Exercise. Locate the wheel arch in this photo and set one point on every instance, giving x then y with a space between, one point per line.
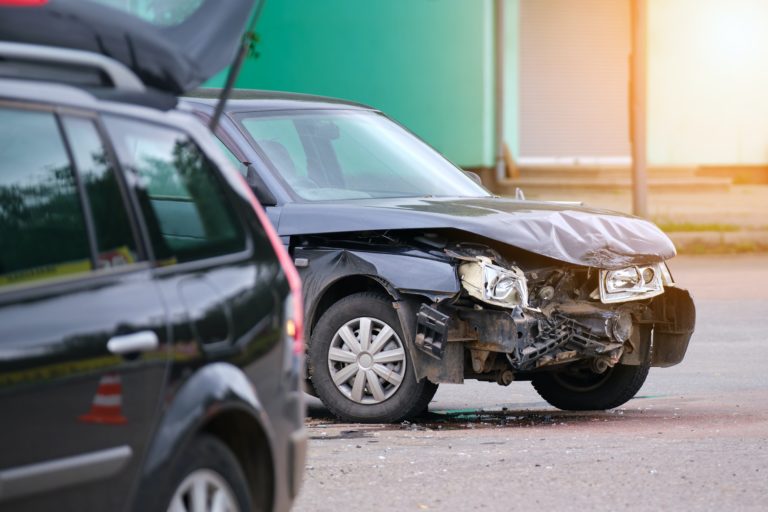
218 399
245 436
332 274
344 287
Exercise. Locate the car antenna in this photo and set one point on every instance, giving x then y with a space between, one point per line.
234 70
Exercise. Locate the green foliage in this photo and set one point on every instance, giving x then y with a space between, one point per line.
252 39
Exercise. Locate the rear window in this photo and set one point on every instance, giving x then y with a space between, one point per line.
157 12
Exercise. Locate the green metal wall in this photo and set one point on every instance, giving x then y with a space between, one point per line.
426 63
511 75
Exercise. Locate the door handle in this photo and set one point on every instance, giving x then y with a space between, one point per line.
141 341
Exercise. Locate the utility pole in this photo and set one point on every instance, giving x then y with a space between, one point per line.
638 107
499 40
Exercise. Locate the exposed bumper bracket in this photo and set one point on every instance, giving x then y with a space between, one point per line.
431 331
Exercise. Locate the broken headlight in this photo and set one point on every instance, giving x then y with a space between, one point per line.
633 283
505 287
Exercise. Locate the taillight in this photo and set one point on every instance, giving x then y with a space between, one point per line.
23 3
294 324
295 321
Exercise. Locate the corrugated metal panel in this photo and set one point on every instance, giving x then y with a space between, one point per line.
574 71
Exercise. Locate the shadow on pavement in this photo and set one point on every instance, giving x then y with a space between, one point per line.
460 419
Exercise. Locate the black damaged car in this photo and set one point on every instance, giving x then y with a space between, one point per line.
415 275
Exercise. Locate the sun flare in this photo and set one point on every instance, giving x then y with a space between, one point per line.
708 73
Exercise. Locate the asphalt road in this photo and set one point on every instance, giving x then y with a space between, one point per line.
695 437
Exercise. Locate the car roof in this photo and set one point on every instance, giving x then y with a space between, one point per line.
247 100
55 95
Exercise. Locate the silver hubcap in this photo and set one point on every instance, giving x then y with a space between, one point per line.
367 360
203 491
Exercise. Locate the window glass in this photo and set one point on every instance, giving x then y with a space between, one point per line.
42 227
159 12
279 141
115 242
185 207
231 156
349 154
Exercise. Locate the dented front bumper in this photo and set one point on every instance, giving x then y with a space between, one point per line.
492 341
674 322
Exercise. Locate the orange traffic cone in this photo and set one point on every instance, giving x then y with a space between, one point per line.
107 405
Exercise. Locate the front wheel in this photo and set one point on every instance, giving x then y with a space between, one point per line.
360 365
581 389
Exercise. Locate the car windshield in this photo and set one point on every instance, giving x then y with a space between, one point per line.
353 154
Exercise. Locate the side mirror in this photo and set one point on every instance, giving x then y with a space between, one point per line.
474 177
259 188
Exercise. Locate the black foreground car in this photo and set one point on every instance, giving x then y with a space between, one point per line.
150 319
415 275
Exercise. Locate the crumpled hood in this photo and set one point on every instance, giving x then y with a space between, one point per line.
574 234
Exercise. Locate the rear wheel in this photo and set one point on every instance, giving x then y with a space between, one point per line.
581 389
208 478
360 365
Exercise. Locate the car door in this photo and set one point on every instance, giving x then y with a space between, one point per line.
216 270
83 331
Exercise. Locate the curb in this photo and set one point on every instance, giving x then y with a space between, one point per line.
720 242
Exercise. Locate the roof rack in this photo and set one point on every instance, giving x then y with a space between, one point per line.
77 67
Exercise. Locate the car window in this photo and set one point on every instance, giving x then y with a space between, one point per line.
231 156
184 205
115 242
42 226
353 154
280 143
163 12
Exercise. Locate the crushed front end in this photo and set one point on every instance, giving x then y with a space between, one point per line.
514 320
467 307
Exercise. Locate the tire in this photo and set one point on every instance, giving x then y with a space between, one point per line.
209 465
580 389
340 355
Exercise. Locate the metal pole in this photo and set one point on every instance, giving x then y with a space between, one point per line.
499 32
638 86
234 69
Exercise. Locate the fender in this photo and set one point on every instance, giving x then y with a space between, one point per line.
404 273
405 276
220 387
